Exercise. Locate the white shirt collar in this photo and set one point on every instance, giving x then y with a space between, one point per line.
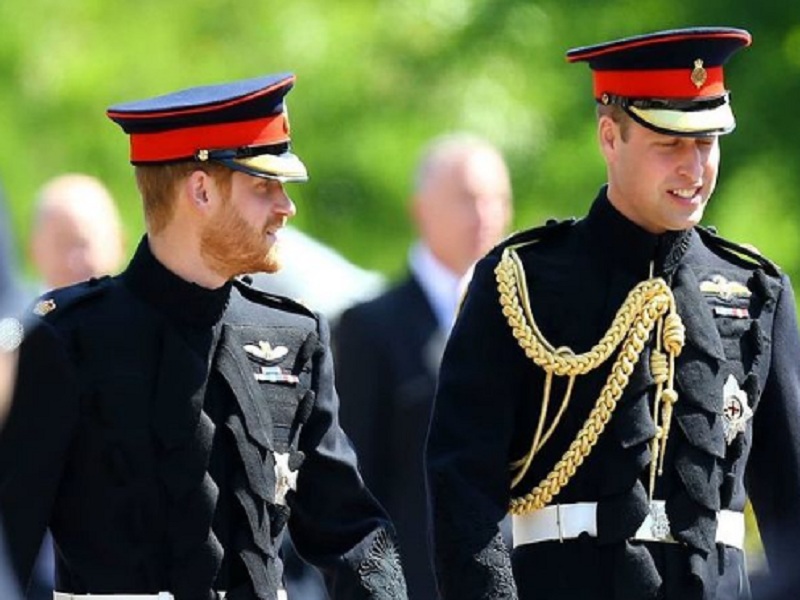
441 286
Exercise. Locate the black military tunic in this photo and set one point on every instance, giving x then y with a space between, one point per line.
578 275
142 436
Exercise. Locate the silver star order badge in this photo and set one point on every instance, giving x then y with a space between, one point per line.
285 478
736 410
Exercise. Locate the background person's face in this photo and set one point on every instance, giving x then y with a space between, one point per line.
465 210
72 245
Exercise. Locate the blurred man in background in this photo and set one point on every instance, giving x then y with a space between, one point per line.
77 232
388 349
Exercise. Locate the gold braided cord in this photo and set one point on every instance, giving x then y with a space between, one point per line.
674 339
659 368
511 286
557 418
525 462
540 440
642 310
598 418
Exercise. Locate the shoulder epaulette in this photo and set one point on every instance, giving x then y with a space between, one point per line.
59 301
536 234
740 251
248 290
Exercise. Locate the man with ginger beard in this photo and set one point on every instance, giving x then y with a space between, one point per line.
174 419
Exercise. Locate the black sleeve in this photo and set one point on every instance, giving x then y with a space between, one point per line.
365 399
335 523
773 470
467 454
34 443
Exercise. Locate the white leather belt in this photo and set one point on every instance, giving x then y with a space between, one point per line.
159 596
568 521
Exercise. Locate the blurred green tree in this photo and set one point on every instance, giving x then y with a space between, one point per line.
376 80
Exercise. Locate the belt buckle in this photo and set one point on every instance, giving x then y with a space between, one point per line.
660 524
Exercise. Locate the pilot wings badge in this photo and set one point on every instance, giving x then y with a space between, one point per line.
263 352
723 288
268 356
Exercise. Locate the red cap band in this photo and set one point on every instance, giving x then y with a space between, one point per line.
183 143
658 83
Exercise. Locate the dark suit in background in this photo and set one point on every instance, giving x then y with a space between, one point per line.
387 355
388 351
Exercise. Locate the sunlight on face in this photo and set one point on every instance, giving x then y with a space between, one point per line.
242 238
662 182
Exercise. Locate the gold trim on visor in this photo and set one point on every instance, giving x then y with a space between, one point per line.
717 119
284 167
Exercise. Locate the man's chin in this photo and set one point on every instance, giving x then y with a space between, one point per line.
272 267
270 264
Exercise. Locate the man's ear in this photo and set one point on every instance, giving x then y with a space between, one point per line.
608 136
196 188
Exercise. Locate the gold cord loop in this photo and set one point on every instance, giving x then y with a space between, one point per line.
659 366
644 308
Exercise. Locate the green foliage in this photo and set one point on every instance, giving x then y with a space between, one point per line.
376 80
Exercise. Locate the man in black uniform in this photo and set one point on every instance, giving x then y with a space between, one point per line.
169 422
620 383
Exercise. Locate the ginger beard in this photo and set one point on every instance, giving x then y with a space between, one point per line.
232 246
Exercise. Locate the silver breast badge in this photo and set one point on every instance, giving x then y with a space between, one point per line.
285 477
736 410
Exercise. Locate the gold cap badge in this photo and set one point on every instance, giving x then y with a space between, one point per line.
699 73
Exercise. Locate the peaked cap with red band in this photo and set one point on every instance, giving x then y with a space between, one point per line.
669 81
243 125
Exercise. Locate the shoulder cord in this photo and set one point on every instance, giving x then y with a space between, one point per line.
647 305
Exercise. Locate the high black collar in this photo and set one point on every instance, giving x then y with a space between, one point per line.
179 300
626 244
